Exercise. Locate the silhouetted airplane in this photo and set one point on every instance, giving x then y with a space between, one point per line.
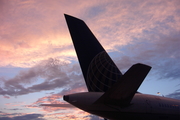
112 95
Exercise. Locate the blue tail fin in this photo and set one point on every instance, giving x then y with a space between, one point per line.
99 71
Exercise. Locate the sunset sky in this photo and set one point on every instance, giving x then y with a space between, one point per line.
39 65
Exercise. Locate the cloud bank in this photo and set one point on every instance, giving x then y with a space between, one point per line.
25 117
52 74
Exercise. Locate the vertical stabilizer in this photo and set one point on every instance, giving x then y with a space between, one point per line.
99 71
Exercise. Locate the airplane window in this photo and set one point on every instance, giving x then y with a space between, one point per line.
159 104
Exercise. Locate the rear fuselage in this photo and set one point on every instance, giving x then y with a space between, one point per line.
142 107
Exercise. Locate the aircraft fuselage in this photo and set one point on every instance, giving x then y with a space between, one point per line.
142 107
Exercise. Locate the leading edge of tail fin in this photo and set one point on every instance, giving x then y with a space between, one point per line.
99 71
123 91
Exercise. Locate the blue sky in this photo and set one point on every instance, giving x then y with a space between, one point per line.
39 65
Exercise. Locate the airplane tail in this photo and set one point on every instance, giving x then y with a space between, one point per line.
99 71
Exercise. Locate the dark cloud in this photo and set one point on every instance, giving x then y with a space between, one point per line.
15 109
175 95
25 117
53 74
161 51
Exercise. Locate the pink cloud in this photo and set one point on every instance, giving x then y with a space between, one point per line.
15 104
69 114
7 97
54 99
33 30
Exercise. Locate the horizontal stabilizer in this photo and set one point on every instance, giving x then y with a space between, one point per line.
123 91
58 105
